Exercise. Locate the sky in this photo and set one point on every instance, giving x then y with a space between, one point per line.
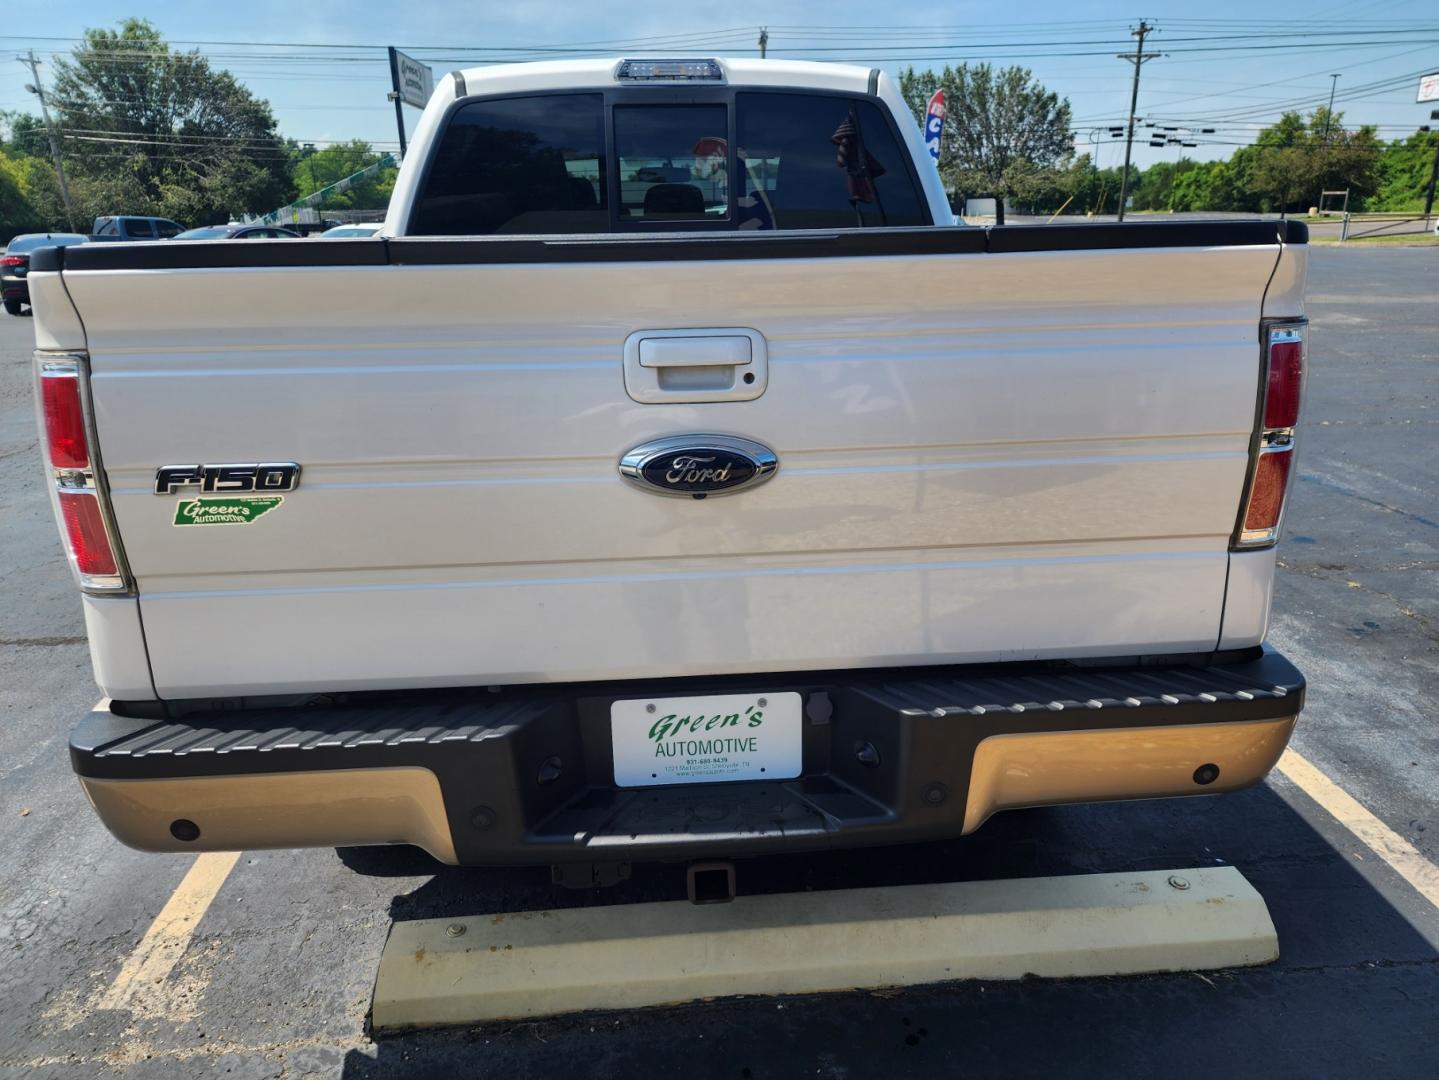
1224 65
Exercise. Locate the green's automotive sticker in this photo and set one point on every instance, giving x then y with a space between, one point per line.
236 510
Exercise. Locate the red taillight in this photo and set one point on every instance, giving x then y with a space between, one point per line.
65 440
81 501
1286 379
14 260
85 533
1266 498
1283 386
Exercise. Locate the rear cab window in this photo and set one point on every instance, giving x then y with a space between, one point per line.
673 163
626 160
822 162
518 165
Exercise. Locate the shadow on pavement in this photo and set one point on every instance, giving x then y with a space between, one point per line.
1356 988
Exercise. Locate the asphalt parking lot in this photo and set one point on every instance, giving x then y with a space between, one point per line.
275 978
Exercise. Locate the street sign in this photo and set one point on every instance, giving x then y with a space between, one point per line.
414 81
1428 88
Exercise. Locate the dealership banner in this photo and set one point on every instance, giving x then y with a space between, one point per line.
413 81
934 124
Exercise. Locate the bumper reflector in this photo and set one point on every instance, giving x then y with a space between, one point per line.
1266 501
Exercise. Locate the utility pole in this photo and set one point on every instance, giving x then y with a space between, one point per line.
1329 114
39 91
1433 176
307 152
763 41
1137 58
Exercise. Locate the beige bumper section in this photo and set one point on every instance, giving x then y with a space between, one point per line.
1052 767
452 971
279 810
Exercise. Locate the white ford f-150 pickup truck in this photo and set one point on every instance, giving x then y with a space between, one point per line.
670 479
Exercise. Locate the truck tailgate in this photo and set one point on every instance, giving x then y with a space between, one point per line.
981 457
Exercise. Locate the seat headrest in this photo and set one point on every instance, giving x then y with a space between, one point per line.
680 199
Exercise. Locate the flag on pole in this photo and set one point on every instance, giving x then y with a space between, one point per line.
934 124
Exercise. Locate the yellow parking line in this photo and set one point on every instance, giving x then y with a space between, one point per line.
1401 856
147 968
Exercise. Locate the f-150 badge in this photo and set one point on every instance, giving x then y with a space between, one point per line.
265 476
696 466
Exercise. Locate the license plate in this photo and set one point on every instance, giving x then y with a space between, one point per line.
706 740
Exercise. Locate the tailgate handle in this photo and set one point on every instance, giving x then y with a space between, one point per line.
695 351
679 366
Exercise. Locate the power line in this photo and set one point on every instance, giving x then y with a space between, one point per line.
1357 93
903 43
1284 36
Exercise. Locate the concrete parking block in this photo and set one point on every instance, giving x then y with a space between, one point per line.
540 963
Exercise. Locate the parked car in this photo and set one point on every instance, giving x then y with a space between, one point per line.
132 227
15 263
237 232
511 542
353 230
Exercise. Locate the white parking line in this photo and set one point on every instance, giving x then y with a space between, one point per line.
1401 856
141 979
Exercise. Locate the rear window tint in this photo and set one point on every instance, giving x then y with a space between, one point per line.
673 162
542 164
518 165
821 162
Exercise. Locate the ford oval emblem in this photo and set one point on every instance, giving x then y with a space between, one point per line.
695 466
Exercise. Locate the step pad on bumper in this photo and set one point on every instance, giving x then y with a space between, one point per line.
526 775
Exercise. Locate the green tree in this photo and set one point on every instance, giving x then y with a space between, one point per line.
1404 170
29 196
1004 133
151 130
1095 191
1283 175
1162 185
1294 161
1209 185
16 213
23 134
317 169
